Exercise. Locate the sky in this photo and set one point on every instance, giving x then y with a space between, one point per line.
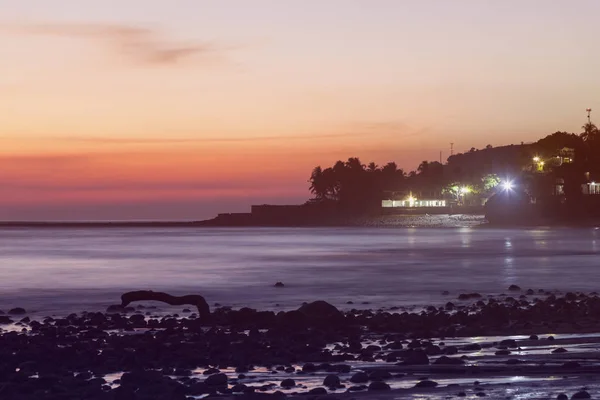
181 109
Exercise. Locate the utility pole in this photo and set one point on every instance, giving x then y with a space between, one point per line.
451 149
440 156
589 111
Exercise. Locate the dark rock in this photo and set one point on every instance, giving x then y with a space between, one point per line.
320 309
480 394
443 360
332 381
379 375
581 395
378 385
287 383
533 337
462 394
562 396
513 361
509 343
502 352
560 350
309 367
216 380
357 388
359 377
115 308
468 296
17 311
426 384
5 320
550 337
211 371
472 347
416 357
317 391
514 288
279 284
239 388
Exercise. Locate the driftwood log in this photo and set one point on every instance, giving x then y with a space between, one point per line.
147 295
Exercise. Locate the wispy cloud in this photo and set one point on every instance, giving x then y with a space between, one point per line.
141 44
183 140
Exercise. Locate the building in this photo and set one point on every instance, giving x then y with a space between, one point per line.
412 203
590 188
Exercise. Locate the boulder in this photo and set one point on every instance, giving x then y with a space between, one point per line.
17 311
444 360
416 357
216 380
426 384
359 377
379 375
379 386
320 310
332 381
581 395
318 391
287 383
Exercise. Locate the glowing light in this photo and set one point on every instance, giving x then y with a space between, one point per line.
541 163
465 190
536 159
507 185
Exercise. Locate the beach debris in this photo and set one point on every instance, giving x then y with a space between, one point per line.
149 295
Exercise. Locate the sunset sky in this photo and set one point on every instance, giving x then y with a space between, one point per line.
179 109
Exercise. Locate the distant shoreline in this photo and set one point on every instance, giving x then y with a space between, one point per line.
401 221
382 221
407 221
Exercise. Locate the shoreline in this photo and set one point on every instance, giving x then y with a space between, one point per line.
380 221
489 345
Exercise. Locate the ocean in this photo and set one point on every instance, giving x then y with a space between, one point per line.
58 271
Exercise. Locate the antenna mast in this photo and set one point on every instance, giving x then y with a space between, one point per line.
589 111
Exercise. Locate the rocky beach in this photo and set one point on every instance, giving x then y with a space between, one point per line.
525 343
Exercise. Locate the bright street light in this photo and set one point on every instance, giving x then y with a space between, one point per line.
507 185
536 159
464 190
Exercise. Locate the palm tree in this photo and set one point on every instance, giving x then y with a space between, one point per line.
590 132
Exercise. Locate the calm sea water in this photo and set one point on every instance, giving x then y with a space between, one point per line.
64 270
